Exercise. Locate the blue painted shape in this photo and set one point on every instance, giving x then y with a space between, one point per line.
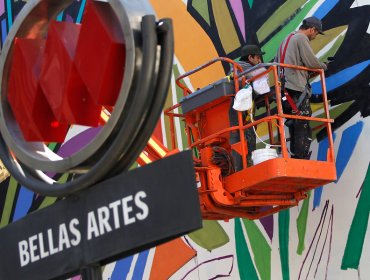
321 156
347 144
121 269
325 8
140 265
340 78
4 32
9 13
60 16
81 11
23 204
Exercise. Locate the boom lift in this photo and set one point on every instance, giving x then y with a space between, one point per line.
254 191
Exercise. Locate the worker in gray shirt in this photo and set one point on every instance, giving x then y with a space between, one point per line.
296 50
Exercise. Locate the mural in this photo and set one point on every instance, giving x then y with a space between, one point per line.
326 236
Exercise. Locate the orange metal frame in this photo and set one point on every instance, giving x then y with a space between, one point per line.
262 189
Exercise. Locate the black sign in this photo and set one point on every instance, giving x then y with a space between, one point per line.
116 218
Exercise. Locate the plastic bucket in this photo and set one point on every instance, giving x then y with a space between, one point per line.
261 155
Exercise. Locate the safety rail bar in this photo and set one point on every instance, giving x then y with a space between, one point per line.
235 68
279 117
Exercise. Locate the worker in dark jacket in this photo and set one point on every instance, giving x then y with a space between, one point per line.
296 50
251 55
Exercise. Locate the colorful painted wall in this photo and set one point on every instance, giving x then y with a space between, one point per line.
326 236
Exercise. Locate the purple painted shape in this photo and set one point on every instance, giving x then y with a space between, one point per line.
268 224
2 10
69 18
237 7
78 142
76 278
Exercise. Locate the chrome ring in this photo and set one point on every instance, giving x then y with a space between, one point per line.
32 22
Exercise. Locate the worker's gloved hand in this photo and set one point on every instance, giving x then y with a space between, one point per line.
330 60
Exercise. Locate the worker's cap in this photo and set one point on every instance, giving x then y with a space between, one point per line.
251 50
313 22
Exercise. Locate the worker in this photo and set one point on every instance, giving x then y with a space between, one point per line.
251 55
296 50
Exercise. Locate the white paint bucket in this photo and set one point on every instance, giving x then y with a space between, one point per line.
261 155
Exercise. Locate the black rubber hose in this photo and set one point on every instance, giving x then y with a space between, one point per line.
166 41
107 158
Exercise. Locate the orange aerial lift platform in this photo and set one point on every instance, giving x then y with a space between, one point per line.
254 191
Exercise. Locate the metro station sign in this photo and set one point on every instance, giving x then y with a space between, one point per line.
114 219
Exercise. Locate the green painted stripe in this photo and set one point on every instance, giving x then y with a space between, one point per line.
331 37
211 236
246 267
9 202
201 7
284 222
357 232
272 45
333 50
52 146
302 224
334 113
47 202
250 2
261 249
50 200
133 166
279 17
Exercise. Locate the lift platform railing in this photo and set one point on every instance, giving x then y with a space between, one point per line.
236 68
273 121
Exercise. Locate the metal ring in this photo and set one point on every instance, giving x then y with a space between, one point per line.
32 22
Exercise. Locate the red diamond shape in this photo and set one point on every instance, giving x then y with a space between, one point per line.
75 81
60 81
100 54
28 103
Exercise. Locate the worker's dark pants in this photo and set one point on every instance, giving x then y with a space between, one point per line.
249 136
299 130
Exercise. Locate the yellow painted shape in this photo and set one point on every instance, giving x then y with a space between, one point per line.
193 47
156 147
144 158
4 173
225 26
322 40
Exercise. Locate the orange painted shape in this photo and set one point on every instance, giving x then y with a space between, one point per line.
169 258
193 47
